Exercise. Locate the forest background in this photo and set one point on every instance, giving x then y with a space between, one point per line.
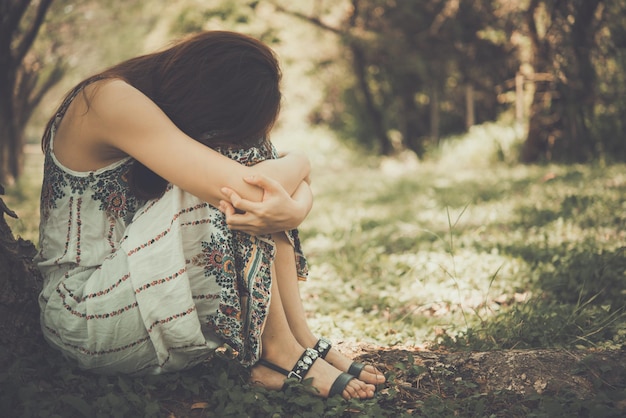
469 180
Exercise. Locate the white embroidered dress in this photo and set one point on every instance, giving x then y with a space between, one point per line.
147 287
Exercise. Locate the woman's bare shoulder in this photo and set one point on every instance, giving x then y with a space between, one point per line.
78 139
113 96
96 129
119 111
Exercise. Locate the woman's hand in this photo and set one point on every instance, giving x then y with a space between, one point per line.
277 211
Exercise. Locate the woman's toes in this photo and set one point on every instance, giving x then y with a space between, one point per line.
371 374
358 389
355 389
350 392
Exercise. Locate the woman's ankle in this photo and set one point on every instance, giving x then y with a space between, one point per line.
283 353
324 376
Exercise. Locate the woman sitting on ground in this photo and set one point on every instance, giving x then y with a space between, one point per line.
142 272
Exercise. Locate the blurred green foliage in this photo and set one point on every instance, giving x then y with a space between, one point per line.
420 71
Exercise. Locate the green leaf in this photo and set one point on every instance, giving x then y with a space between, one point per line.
78 404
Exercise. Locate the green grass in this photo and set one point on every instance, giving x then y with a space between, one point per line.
464 251
443 248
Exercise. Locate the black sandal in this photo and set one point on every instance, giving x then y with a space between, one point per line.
323 347
302 367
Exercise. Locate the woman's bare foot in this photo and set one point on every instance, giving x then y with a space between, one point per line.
368 374
323 374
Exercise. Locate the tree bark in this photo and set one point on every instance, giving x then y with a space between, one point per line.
20 86
470 116
411 124
375 115
542 132
435 115
562 109
578 88
20 282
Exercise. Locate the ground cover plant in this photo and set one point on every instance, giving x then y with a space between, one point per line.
413 265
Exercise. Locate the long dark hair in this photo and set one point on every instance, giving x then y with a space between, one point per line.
220 88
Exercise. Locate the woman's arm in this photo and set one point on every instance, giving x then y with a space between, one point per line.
248 220
121 117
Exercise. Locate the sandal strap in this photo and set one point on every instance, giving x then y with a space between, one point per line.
300 369
272 366
356 369
322 347
340 384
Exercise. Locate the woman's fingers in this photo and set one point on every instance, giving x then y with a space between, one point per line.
244 222
226 208
276 212
237 201
269 185
271 188
238 213
231 195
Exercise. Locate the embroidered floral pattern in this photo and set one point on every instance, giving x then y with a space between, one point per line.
101 352
171 318
79 184
52 188
218 262
241 264
61 291
112 191
162 280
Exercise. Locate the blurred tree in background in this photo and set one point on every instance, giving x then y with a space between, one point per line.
24 77
42 42
577 47
609 60
423 70
402 74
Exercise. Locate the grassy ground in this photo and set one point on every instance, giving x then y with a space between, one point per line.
465 251
462 252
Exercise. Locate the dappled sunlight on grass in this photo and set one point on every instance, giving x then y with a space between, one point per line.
482 146
433 250
437 250
412 255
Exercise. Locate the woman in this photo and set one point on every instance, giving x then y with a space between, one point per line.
142 274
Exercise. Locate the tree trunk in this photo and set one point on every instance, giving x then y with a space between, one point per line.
542 123
562 109
7 119
374 114
470 118
435 116
519 98
578 88
20 282
20 86
411 133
